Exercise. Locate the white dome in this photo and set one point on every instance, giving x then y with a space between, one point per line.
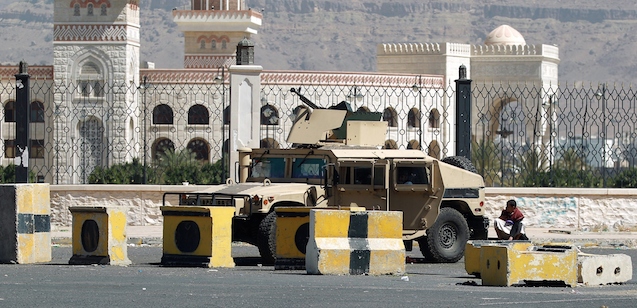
505 35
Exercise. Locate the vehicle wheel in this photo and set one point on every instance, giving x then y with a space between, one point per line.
447 238
460 162
266 239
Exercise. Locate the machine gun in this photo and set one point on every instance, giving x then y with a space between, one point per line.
325 124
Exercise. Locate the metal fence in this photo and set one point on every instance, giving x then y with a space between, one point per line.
523 135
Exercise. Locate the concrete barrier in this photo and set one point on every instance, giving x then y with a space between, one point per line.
472 252
99 235
595 270
197 236
504 265
353 242
25 223
292 235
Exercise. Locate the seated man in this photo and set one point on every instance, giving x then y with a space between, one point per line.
509 225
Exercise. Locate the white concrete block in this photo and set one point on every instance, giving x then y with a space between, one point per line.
603 269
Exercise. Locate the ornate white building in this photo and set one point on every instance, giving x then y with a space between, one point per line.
97 105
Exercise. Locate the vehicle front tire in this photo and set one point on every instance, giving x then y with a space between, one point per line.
266 239
447 238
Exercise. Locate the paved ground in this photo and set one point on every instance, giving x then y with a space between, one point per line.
147 284
153 235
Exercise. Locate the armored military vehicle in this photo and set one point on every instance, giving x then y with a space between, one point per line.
337 160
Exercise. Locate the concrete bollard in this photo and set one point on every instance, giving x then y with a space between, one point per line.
595 270
292 235
25 223
504 265
197 236
355 243
472 252
99 235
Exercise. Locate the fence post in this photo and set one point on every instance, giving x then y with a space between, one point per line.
463 114
23 97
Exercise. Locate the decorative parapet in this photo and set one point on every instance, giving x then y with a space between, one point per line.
192 20
451 49
203 76
210 15
180 76
518 50
35 72
349 79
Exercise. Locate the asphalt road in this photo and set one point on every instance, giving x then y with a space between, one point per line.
146 284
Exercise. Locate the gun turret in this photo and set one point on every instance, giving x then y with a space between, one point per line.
331 123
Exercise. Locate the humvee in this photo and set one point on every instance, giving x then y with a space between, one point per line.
337 160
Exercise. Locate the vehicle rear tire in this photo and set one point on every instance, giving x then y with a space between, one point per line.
266 239
460 162
446 239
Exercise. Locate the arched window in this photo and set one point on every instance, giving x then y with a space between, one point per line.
9 148
269 115
200 148
202 44
76 10
214 44
198 114
434 149
90 81
413 145
9 111
163 114
103 10
90 9
390 145
413 118
36 149
391 117
162 146
223 44
37 112
434 118
269 143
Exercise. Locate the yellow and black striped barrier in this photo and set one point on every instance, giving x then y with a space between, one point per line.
25 223
99 235
197 236
506 265
355 242
292 235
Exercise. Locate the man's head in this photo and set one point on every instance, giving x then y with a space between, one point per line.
511 205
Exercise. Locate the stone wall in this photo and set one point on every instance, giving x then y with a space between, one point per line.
557 208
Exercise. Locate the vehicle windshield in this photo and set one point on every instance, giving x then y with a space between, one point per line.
268 167
307 168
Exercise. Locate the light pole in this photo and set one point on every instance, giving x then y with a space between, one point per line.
220 80
601 94
418 87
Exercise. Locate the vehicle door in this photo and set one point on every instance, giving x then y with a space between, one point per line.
413 186
362 182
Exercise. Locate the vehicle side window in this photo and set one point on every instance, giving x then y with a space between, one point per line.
268 168
307 168
412 175
362 176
